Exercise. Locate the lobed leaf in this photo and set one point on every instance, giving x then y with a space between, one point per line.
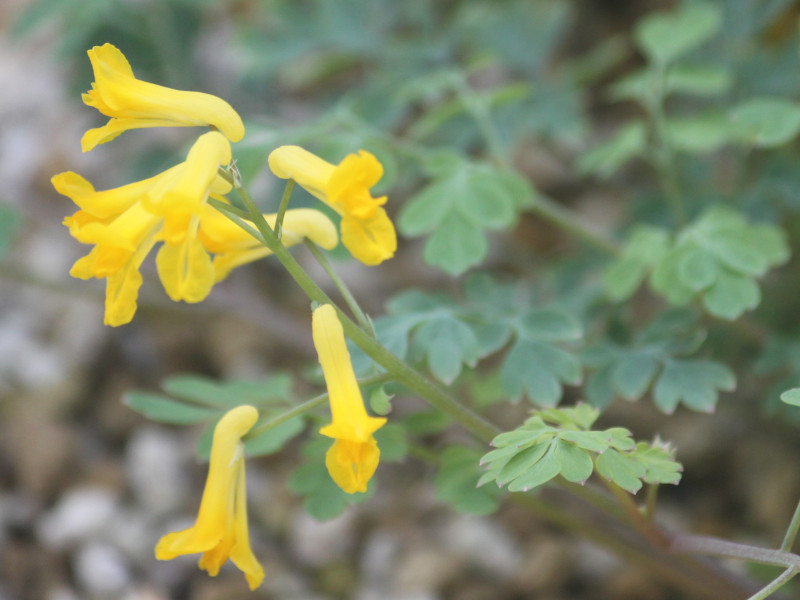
456 482
663 37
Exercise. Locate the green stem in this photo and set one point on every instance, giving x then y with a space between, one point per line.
398 368
564 219
287 193
637 519
775 584
651 497
706 545
235 215
308 405
664 156
543 206
791 532
479 111
347 295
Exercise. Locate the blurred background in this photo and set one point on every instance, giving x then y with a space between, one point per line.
87 486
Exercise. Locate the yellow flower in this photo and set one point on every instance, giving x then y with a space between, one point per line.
125 223
134 104
220 531
366 229
234 247
354 455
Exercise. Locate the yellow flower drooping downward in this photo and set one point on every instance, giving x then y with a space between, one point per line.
366 229
133 104
220 531
125 223
354 455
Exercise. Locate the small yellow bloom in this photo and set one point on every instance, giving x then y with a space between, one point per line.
125 223
234 246
220 531
354 455
366 229
133 104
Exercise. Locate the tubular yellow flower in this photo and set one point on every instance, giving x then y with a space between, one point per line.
125 223
220 531
234 247
354 455
133 104
366 229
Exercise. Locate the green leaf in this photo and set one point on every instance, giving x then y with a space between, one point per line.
228 394
695 383
698 269
697 80
633 373
456 245
701 133
550 325
522 462
606 158
622 469
392 442
426 422
576 465
457 207
645 247
667 279
538 370
663 37
599 389
167 410
542 471
791 397
380 402
536 451
581 416
323 499
456 482
731 295
658 463
274 439
766 122
447 343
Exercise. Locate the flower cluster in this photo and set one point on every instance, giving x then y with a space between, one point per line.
124 224
199 246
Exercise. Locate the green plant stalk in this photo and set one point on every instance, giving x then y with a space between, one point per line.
479 111
287 193
643 525
791 532
347 295
651 498
775 584
545 207
308 405
697 544
663 155
708 582
564 219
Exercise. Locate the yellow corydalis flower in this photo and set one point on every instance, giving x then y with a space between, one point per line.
125 223
354 455
220 531
233 246
366 229
133 104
